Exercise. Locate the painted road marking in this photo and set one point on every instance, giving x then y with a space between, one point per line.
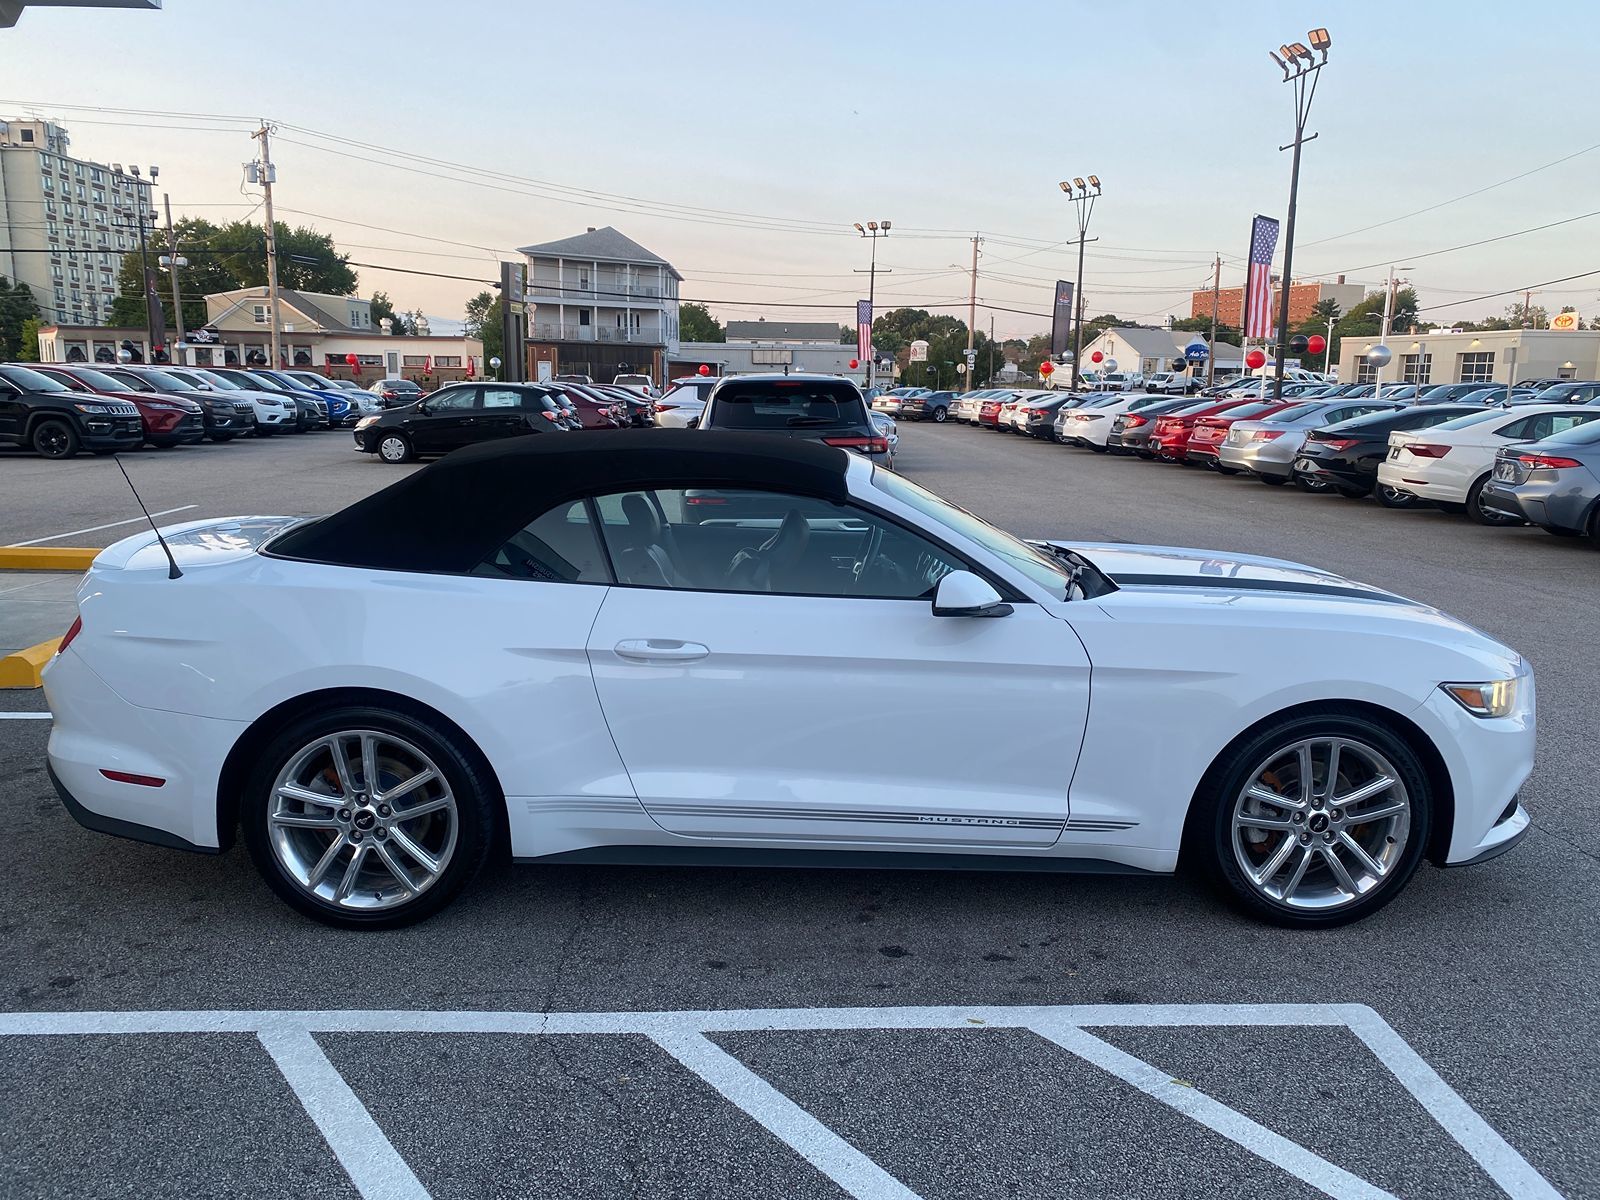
377 1169
24 716
56 537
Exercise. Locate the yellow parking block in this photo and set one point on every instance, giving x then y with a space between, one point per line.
46 558
21 670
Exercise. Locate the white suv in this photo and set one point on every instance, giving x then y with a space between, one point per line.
273 412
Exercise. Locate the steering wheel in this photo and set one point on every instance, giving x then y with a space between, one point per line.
869 555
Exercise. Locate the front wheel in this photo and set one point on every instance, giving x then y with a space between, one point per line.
55 439
940 415
395 448
1315 821
367 818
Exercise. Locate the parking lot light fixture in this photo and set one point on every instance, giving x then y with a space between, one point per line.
873 230
1301 69
1083 196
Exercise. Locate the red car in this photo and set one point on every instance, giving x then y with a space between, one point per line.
989 414
1170 440
1205 441
168 419
595 410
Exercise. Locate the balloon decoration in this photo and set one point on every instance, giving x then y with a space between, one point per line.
704 370
854 364
1097 357
1380 355
1046 368
1255 360
1298 343
351 359
1316 343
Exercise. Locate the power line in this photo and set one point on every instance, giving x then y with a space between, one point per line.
1527 287
1469 245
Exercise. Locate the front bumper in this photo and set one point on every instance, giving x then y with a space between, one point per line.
111 433
95 730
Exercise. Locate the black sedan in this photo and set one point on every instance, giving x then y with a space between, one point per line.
1037 417
1346 456
1130 432
456 416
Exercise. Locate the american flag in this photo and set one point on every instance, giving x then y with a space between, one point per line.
863 330
1258 285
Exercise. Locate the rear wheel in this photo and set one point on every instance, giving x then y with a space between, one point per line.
1483 516
54 438
1392 497
1274 480
940 415
1317 820
368 818
1218 467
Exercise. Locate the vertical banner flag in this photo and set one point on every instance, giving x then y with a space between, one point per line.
1258 284
1061 318
863 330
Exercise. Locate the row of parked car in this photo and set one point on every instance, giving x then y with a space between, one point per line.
61 409
1502 456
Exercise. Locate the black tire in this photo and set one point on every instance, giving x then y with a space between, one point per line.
940 415
1272 480
477 797
1351 492
1594 527
1482 516
1208 834
223 438
54 438
395 447
1394 498
1098 449
1222 470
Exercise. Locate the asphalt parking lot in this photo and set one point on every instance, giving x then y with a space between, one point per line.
266 1055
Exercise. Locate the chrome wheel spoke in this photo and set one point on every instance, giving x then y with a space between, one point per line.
369 764
1368 863
317 872
1303 756
405 788
1299 872
1256 822
1275 863
1374 787
293 791
421 809
335 746
401 875
416 853
1375 814
1340 871
304 821
352 870
1267 796
1332 784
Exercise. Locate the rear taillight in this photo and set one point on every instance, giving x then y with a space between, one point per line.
1266 435
704 500
1547 461
73 631
549 416
872 445
1134 422
1428 450
1337 443
130 777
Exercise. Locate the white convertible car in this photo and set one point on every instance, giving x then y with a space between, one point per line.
665 646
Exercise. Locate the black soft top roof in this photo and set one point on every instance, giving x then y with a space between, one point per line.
451 515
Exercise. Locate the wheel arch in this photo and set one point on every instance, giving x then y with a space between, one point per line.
1403 727
236 767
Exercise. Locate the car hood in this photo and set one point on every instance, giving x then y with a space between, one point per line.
1216 571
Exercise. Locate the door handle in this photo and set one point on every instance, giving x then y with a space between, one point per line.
660 650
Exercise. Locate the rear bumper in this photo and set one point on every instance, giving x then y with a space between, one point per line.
96 730
1397 477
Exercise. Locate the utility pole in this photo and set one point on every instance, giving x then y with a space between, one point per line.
1216 299
268 175
873 230
972 315
173 263
1083 199
990 378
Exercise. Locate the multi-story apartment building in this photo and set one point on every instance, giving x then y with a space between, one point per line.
599 303
65 222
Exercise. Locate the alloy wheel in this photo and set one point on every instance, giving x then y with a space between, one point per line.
1321 824
53 440
363 820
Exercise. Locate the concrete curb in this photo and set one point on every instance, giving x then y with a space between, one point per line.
46 558
21 670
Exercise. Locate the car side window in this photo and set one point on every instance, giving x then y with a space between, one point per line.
558 546
501 398
453 400
718 540
1521 431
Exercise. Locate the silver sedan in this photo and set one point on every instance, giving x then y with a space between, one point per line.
1267 448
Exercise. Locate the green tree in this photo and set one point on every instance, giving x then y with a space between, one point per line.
17 308
696 324
484 322
383 307
1324 311
847 335
29 350
1202 326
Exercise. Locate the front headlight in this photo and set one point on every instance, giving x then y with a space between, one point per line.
1494 699
366 421
91 408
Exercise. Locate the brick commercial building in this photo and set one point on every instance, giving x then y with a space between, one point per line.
1303 297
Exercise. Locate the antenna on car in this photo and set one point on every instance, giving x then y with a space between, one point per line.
172 563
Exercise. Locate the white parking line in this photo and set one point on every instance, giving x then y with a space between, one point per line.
24 716
377 1169
56 537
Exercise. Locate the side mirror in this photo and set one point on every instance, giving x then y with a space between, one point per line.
963 594
692 423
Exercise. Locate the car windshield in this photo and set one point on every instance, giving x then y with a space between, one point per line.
1246 411
220 381
786 404
312 379
257 381
99 381
163 382
32 381
1185 409
1041 568
1291 413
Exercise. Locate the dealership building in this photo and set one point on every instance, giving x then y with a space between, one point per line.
1486 356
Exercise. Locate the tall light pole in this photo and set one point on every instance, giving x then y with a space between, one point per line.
1301 68
152 305
873 230
1083 196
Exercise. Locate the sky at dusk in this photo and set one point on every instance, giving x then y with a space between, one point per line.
741 141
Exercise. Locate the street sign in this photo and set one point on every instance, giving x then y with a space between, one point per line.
919 351
961 368
972 356
1196 352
